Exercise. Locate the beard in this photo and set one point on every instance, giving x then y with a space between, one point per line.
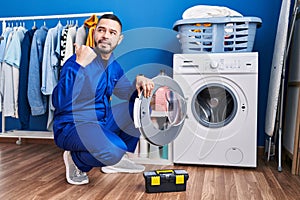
105 47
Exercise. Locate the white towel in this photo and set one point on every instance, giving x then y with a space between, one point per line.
205 11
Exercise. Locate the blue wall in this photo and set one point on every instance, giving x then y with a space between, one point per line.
160 16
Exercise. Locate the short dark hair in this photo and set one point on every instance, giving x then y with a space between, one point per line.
112 17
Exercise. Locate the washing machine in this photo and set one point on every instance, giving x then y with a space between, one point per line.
207 111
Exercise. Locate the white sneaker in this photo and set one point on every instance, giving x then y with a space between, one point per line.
123 166
73 174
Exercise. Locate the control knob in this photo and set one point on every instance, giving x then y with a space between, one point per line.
214 65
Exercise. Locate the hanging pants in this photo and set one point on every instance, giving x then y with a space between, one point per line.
100 144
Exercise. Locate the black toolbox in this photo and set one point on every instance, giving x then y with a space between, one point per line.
170 180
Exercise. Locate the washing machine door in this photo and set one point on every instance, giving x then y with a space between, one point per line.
161 116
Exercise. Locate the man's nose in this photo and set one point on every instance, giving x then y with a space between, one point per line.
106 34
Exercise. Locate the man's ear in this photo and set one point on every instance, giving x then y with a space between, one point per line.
120 39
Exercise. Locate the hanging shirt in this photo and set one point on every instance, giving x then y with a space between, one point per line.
3 42
13 53
10 69
50 63
81 36
6 76
63 43
37 101
70 49
23 105
3 46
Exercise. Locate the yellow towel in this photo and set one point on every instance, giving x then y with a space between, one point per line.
91 23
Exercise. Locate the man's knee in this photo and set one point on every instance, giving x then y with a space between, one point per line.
110 157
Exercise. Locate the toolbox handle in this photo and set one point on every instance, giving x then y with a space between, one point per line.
168 171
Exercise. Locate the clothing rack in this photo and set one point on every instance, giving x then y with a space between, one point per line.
45 17
27 133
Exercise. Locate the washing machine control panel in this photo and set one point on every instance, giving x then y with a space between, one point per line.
227 65
216 63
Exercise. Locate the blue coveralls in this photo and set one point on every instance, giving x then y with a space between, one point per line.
85 123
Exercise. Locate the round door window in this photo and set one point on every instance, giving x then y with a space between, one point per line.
214 105
160 118
167 108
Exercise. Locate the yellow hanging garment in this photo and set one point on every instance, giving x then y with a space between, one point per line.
91 23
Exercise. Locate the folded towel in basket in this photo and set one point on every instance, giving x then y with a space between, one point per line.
205 11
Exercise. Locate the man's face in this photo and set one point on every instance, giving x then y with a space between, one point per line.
107 36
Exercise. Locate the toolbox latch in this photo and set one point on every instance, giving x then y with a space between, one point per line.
155 180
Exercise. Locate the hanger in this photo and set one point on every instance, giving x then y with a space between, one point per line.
67 25
16 26
34 25
59 22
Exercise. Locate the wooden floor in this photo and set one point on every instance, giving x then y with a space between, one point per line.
36 171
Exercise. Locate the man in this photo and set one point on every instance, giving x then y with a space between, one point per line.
91 131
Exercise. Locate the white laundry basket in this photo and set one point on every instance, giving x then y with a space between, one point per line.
217 34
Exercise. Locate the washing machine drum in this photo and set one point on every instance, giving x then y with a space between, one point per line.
214 105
